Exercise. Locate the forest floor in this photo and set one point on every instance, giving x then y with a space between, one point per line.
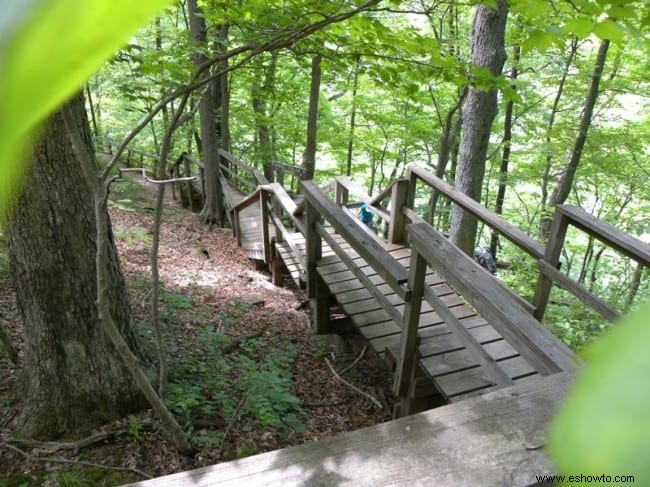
246 373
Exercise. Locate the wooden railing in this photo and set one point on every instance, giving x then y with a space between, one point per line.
280 170
494 300
564 216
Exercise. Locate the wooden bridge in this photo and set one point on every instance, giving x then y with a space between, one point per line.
447 328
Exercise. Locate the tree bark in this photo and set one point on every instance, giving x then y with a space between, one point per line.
479 110
72 376
213 210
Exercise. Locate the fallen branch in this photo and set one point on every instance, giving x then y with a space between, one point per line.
356 360
354 388
75 462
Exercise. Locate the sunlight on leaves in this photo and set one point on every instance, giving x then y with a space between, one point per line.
604 427
52 47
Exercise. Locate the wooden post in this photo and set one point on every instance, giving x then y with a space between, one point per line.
236 228
188 173
409 335
266 241
552 257
342 194
276 265
316 288
398 200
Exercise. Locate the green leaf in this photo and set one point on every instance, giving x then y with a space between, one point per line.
52 47
608 30
604 427
579 27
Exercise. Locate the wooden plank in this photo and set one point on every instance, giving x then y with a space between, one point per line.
472 346
382 301
491 440
447 342
457 360
490 298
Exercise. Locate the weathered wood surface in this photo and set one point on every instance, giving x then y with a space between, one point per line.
491 440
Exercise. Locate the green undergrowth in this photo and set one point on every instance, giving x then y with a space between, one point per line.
218 379
221 378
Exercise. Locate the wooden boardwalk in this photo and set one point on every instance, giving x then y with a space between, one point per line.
441 356
251 236
447 329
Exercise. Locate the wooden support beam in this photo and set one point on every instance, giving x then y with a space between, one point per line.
266 239
397 224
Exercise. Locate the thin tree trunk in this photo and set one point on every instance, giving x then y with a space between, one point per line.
479 110
309 163
260 93
505 156
546 177
563 186
353 115
634 288
448 140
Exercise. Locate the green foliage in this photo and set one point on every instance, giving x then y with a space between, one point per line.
135 428
176 301
267 390
47 50
604 427
135 235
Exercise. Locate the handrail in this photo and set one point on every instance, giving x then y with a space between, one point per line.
259 177
611 236
508 230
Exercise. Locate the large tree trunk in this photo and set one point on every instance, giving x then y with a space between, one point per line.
213 211
479 110
73 378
